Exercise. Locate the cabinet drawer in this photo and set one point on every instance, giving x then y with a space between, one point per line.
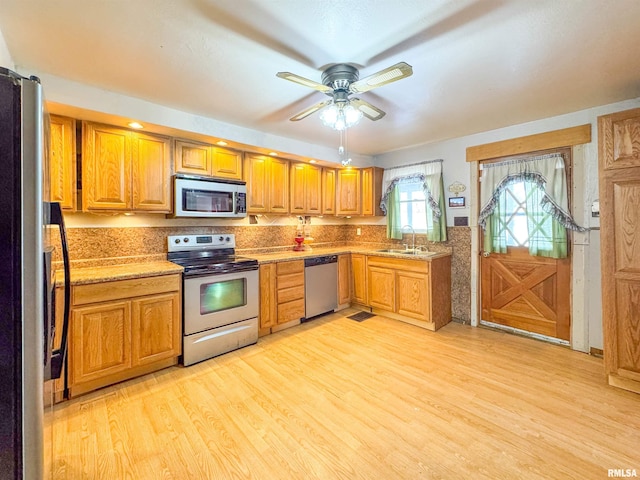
291 311
288 294
292 280
135 287
296 266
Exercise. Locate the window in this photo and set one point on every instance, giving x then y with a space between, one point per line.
413 206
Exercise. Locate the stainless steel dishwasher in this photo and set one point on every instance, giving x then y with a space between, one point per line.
320 285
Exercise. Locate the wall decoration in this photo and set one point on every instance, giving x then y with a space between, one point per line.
457 188
456 202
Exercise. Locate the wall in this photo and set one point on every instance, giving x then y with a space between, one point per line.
5 57
587 325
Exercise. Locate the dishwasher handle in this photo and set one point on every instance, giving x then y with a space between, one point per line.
313 261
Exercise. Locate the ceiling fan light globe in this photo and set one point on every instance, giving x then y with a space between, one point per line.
329 115
352 115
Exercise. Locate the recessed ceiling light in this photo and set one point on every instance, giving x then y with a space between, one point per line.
273 154
312 161
136 125
222 143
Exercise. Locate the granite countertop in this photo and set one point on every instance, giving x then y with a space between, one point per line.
316 252
107 273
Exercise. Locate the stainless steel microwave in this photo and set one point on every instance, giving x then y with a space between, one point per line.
209 197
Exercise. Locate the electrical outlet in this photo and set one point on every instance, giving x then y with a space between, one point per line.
358 231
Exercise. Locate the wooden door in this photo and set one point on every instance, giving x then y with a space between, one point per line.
328 191
381 287
371 190
344 279
156 332
279 186
412 295
348 187
256 175
268 303
101 341
313 193
297 189
526 292
106 168
62 162
619 175
192 158
151 173
226 163
359 275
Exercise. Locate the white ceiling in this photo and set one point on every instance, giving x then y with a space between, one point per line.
478 64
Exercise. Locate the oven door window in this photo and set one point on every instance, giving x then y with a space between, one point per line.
224 295
194 200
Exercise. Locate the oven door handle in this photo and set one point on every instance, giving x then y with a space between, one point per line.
221 272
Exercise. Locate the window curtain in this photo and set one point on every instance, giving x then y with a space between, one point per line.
548 215
429 174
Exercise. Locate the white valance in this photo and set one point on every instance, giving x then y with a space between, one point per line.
428 173
547 171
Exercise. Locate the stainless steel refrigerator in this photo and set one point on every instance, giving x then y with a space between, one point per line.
29 229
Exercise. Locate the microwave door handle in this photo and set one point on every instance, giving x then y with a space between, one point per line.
59 356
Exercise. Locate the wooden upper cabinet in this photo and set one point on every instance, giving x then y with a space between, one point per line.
151 173
328 191
124 170
195 158
267 184
348 187
306 189
371 191
62 162
106 168
192 158
226 163
619 184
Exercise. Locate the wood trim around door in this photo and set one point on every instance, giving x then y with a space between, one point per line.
566 137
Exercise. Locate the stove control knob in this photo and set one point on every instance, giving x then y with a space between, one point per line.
220 239
186 239
177 240
228 239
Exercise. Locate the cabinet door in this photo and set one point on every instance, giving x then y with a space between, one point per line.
257 177
344 279
413 295
359 273
62 162
313 193
381 283
156 331
226 163
151 173
268 306
100 341
328 191
106 168
297 188
192 158
348 192
279 186
371 190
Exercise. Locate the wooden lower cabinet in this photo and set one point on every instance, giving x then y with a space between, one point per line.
359 276
344 280
416 291
281 295
123 329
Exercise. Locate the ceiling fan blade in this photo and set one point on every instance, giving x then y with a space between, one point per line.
368 110
292 77
393 73
312 109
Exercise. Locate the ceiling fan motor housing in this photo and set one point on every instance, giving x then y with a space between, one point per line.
339 77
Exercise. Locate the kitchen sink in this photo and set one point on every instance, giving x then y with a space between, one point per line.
405 252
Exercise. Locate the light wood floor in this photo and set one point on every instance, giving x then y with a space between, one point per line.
340 399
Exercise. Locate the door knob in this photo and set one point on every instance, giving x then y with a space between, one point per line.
486 254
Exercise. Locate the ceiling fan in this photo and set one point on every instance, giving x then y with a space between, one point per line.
339 82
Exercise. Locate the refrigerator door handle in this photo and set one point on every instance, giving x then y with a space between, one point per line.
58 356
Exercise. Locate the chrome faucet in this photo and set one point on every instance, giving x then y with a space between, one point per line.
413 232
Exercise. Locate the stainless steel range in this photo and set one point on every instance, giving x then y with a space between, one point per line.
220 295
